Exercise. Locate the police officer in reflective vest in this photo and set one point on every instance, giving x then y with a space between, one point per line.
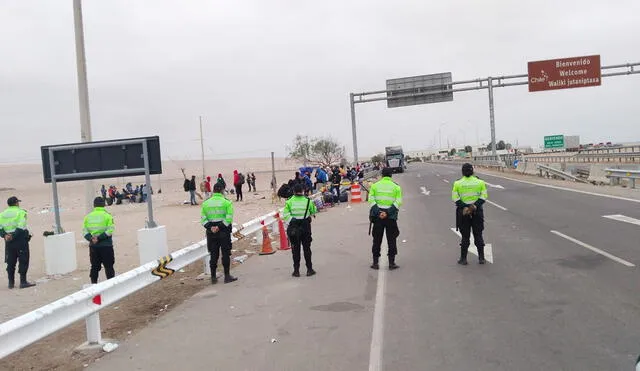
298 211
385 197
13 229
469 193
98 230
217 219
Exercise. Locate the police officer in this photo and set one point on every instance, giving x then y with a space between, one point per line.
13 229
98 230
298 211
469 193
217 219
385 197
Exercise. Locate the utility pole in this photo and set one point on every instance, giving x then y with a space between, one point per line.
202 149
83 93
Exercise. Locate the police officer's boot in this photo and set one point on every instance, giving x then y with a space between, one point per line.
310 272
481 255
375 264
392 263
229 278
214 278
296 271
23 281
463 256
12 280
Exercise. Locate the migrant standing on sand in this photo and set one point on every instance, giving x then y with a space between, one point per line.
13 229
238 181
217 220
98 229
192 190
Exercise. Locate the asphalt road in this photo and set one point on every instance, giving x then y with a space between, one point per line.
562 293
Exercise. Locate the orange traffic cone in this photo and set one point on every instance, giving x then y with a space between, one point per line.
284 241
266 242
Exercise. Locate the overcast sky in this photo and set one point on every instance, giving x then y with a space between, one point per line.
261 71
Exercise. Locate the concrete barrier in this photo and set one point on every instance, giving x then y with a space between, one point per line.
60 253
152 244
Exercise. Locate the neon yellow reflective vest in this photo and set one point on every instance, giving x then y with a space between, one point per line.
99 223
217 209
385 193
469 189
296 207
12 218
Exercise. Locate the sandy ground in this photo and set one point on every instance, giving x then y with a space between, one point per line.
182 221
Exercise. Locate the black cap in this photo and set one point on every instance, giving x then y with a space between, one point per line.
467 169
98 202
13 201
387 171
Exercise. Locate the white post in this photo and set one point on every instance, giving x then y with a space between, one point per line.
94 334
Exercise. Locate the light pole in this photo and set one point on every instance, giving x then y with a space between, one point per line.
83 92
440 134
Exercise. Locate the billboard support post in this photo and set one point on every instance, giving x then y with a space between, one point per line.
57 228
492 118
147 179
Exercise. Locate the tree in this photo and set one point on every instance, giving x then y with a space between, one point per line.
509 146
377 158
501 145
452 152
468 149
323 151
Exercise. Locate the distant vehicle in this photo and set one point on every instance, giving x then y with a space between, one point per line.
394 158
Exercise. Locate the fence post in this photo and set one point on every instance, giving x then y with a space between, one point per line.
94 334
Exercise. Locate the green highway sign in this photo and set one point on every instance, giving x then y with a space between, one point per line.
554 141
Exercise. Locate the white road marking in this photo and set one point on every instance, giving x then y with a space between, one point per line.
594 249
377 333
494 185
437 174
496 205
623 218
424 191
566 189
488 249
419 175
444 180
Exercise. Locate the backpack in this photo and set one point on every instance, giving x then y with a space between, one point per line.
285 191
241 179
186 185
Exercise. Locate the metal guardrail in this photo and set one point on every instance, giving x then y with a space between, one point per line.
28 328
615 175
559 173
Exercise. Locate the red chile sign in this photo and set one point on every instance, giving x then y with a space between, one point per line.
577 72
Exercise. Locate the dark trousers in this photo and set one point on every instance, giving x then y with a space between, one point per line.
467 225
239 192
299 233
217 242
101 256
16 251
379 228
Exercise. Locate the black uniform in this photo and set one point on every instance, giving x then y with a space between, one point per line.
17 251
216 243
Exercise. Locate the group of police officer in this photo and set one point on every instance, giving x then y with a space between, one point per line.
385 196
